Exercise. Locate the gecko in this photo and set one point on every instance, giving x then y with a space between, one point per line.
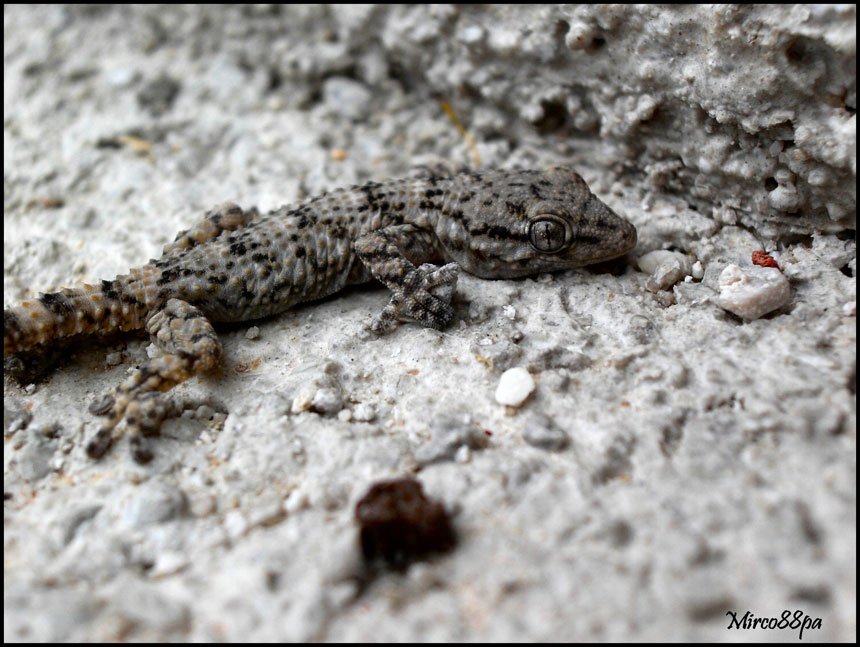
238 265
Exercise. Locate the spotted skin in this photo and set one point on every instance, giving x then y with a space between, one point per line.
238 265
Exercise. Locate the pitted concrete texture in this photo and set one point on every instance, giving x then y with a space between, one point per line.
665 462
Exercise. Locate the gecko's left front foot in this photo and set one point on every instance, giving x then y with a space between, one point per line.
424 296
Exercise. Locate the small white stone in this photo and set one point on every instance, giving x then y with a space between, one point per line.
652 261
252 333
784 198
472 34
302 400
297 500
698 271
235 524
751 292
579 35
122 77
665 276
515 385
364 412
850 309
168 562
327 401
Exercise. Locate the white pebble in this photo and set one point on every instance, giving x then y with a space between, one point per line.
515 385
364 412
168 563
252 333
751 292
344 415
122 77
665 276
784 198
472 34
302 400
698 271
651 262
327 401
463 454
235 524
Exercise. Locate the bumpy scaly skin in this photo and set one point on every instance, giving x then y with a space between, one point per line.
238 265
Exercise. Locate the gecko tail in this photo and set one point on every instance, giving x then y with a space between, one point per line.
38 323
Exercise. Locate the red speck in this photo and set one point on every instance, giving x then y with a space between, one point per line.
764 259
486 431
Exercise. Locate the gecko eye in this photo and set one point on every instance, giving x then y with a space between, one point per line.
549 233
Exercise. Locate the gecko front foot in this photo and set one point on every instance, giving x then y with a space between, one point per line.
424 296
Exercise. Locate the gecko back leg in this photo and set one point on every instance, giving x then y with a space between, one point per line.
190 347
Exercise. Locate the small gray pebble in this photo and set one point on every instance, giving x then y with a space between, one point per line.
450 433
326 400
155 503
15 416
34 462
541 431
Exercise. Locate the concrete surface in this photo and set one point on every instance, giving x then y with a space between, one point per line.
675 463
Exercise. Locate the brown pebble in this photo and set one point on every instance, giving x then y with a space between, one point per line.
400 524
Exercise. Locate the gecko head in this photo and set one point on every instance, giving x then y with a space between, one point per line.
555 223
569 226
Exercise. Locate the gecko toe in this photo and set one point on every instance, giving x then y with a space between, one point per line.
99 445
140 451
102 406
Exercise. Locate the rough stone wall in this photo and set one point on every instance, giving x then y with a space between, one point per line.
746 111
748 107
